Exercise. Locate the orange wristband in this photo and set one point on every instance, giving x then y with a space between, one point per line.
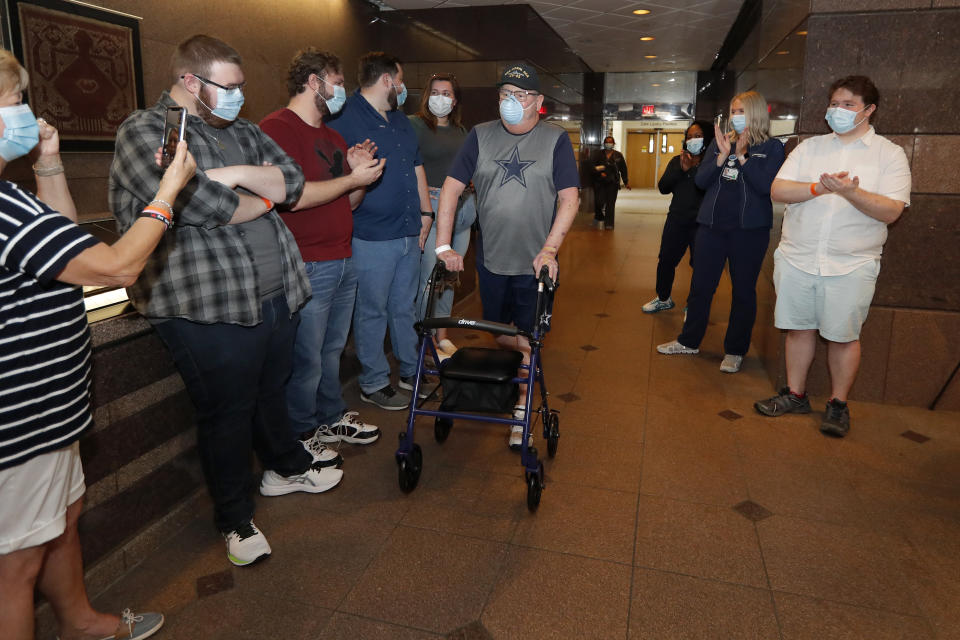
813 188
267 202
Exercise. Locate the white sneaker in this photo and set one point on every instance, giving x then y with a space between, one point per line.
516 437
672 348
323 455
519 411
313 480
447 347
348 429
731 364
658 305
246 544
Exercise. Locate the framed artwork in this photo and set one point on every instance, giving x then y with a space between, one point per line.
84 65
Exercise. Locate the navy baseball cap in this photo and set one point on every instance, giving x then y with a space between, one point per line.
520 75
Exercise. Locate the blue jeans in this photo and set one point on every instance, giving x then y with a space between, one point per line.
313 394
466 214
236 378
386 287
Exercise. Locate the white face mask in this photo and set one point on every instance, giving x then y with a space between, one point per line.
440 106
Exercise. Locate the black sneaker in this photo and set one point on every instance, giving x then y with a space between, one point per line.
783 402
836 419
387 398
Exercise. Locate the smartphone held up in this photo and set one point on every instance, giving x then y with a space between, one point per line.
174 130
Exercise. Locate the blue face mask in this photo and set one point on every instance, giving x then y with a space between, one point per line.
694 145
739 122
401 94
229 102
842 120
511 110
21 132
335 103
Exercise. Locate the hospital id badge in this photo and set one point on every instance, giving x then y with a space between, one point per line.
730 173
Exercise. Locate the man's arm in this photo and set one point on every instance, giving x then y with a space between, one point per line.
446 212
568 202
267 182
792 192
878 207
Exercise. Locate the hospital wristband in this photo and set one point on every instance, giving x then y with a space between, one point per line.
813 188
267 202
442 248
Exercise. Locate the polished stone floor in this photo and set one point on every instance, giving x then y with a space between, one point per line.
672 510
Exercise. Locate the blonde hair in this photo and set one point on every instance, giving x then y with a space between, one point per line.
13 77
758 118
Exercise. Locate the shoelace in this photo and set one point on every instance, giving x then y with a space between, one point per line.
834 412
128 618
243 532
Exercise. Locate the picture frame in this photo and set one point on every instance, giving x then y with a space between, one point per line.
85 68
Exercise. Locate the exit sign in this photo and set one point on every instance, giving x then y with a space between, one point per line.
648 110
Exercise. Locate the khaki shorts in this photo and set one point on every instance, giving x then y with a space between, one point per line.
34 497
835 305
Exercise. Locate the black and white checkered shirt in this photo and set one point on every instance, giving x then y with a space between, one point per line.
203 268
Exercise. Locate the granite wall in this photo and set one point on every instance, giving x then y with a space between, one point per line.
911 340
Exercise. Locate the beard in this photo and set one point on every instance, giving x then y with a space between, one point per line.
392 100
321 104
207 115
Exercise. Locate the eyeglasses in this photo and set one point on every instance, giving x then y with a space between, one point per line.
220 86
520 94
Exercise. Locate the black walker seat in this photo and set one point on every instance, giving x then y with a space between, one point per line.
483 381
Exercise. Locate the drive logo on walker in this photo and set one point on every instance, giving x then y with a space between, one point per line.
466 322
514 167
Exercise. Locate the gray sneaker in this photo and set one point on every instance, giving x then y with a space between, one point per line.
387 398
782 403
836 419
658 305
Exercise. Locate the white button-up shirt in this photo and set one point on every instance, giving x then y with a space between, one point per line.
827 235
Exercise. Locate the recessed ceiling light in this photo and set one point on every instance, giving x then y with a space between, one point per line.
673 79
649 57
801 33
655 84
782 53
641 12
647 38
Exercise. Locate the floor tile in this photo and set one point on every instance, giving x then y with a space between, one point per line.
803 618
698 540
428 580
667 605
545 595
835 563
586 521
342 626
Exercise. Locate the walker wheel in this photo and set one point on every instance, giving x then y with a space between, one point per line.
553 437
441 429
534 488
409 468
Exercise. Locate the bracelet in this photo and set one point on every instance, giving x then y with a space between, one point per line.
44 172
428 214
813 188
156 215
267 202
442 248
163 202
150 210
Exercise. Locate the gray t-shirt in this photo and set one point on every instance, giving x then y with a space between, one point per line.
517 178
259 233
437 148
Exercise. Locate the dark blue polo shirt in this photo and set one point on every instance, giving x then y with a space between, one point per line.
391 206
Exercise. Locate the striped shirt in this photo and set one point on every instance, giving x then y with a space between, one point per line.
44 340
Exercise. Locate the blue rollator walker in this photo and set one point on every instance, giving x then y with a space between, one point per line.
482 381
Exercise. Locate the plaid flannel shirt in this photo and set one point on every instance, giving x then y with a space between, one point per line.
202 269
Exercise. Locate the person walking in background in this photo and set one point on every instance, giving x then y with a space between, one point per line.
441 133
609 170
680 228
735 220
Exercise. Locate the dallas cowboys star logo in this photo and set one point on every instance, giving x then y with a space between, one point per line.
514 167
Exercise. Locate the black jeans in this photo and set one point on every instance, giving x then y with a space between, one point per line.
236 377
677 236
744 249
604 201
